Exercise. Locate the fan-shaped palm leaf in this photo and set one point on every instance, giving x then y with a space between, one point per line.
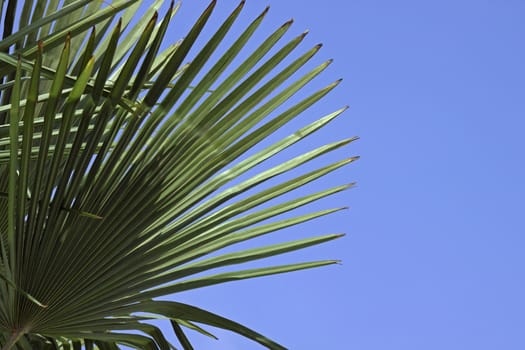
120 170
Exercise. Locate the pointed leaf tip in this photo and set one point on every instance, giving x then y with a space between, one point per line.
351 159
334 84
239 7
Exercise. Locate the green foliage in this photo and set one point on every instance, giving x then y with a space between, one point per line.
120 170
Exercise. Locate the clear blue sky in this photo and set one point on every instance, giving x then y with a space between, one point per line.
434 256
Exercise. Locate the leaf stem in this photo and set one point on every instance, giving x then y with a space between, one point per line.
17 334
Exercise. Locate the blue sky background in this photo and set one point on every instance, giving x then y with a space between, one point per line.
433 257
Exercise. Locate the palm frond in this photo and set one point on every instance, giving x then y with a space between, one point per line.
125 171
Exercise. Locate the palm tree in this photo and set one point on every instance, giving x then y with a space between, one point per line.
120 170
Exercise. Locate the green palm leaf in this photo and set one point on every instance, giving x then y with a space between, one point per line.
124 170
